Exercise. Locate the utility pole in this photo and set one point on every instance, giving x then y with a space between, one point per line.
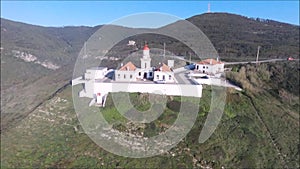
164 49
258 48
84 49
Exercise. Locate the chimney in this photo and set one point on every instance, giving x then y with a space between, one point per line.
217 58
127 67
210 61
121 64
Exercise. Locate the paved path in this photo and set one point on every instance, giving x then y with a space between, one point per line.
235 63
260 61
182 78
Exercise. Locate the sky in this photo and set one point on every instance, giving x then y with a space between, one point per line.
92 13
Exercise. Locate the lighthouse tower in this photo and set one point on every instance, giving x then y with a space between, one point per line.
146 60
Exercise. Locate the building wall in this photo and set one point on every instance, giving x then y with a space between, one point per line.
142 74
210 69
125 76
164 89
100 74
168 77
145 63
95 73
88 89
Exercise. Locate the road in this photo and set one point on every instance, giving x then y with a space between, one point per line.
260 61
242 62
182 77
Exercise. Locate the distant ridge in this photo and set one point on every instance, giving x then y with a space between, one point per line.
235 38
238 36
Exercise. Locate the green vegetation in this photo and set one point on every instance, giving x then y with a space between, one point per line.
256 126
240 36
259 127
278 78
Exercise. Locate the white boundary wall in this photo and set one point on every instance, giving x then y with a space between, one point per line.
163 89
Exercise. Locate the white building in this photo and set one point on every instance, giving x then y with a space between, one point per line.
90 77
95 73
146 71
210 67
126 73
164 74
129 72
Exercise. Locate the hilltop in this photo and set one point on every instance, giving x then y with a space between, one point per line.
235 36
32 55
259 128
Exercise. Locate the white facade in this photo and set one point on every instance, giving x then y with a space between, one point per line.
103 89
125 76
210 66
146 60
129 72
171 63
90 77
95 73
164 74
145 73
167 77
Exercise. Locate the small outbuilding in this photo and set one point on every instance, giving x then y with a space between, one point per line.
164 74
95 73
210 66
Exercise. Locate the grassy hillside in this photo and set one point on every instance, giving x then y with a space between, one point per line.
57 44
26 84
257 130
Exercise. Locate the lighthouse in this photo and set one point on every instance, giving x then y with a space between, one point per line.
146 60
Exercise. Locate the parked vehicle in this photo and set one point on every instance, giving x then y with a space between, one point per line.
160 81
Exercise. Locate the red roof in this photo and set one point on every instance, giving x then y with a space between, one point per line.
146 47
209 62
165 68
128 67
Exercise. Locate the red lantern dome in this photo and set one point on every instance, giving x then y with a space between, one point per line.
146 47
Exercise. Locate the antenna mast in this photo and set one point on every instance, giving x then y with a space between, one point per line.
208 8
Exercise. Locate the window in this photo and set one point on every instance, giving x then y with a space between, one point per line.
203 67
150 74
157 76
130 76
119 76
139 73
206 67
170 77
124 76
